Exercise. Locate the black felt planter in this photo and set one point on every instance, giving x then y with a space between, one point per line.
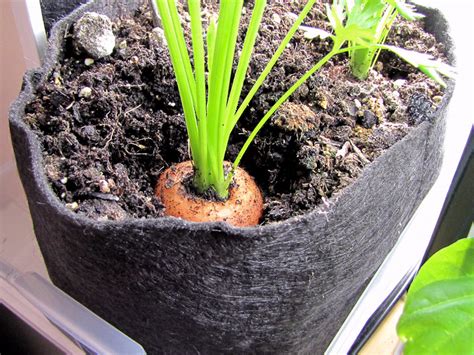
179 287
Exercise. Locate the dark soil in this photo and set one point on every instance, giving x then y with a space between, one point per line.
103 153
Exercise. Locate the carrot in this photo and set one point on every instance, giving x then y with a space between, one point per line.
243 207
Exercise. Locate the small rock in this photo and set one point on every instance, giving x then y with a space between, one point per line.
368 119
63 180
85 92
88 61
158 36
312 33
58 80
322 101
72 206
397 84
357 103
93 33
104 186
276 19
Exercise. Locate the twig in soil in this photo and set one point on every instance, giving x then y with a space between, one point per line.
132 109
102 196
70 105
129 86
109 138
140 146
111 135
359 153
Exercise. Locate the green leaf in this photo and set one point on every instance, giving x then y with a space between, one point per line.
183 70
439 312
408 11
211 42
451 262
366 13
425 62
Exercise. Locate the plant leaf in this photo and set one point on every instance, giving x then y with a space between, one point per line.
366 13
211 43
425 62
455 261
358 25
408 11
439 312
439 318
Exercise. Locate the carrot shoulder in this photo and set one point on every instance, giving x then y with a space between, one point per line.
243 208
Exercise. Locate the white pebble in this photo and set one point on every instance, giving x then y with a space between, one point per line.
72 206
104 186
85 92
276 18
397 84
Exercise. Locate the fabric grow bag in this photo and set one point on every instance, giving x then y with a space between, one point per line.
179 287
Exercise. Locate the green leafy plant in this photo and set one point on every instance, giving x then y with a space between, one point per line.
377 18
211 105
366 24
438 317
212 111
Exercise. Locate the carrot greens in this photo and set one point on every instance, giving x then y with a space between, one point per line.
372 21
210 91
211 107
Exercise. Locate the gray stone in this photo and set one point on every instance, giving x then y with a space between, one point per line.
93 34
368 119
